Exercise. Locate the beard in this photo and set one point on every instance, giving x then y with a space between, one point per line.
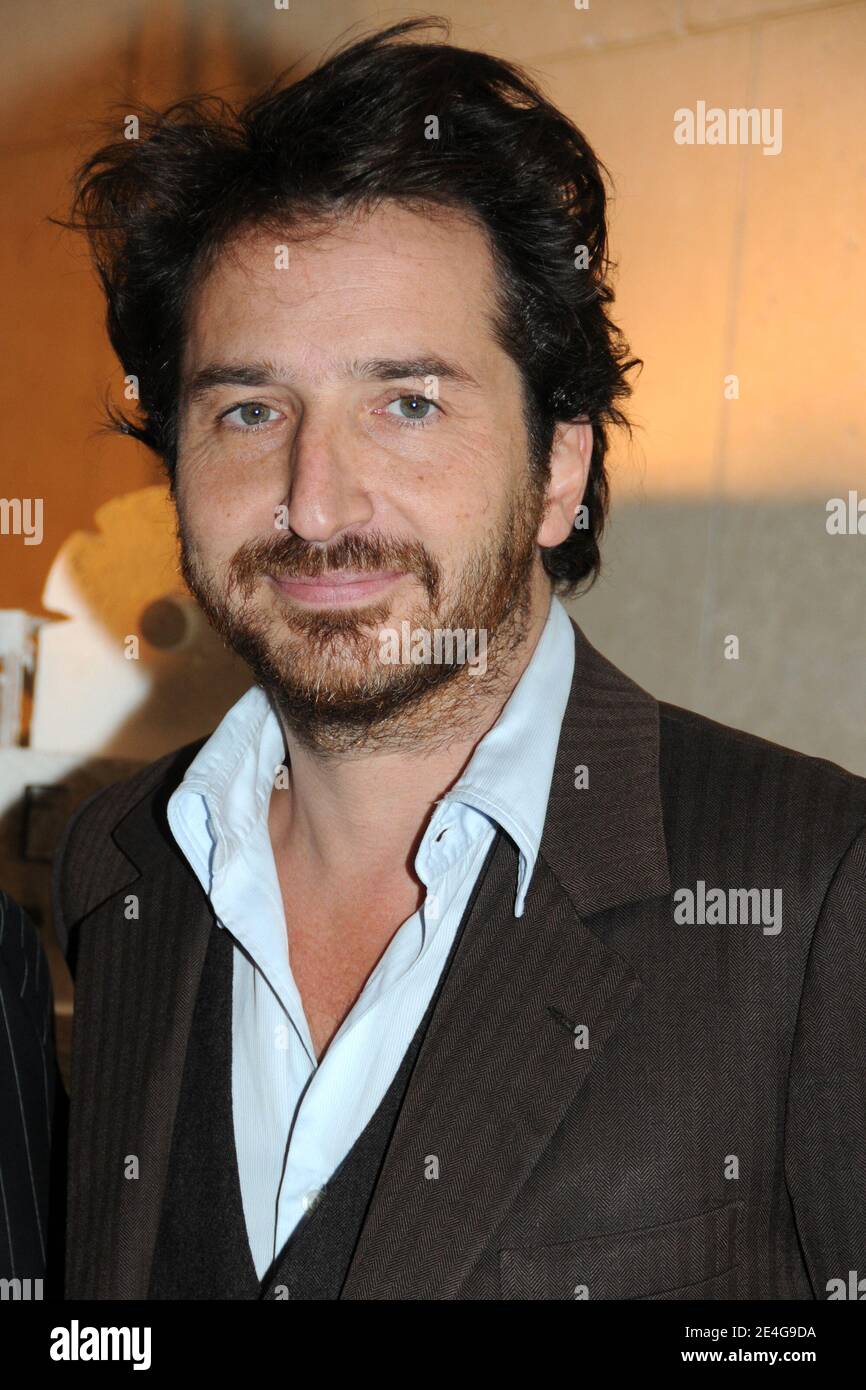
323 669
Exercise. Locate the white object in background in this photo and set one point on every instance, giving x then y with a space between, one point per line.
136 671
17 653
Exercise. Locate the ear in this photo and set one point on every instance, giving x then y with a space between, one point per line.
570 456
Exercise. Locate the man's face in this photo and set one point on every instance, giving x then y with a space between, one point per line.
353 455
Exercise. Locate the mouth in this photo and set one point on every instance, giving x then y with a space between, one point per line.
336 588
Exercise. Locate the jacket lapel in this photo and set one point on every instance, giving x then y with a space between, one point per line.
500 1062
159 957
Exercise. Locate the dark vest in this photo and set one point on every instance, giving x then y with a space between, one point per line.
202 1249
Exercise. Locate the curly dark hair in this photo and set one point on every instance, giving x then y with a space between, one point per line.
158 209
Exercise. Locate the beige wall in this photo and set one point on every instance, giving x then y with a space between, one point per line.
730 262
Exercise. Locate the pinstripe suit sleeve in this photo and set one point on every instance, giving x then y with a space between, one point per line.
27 1094
825 1135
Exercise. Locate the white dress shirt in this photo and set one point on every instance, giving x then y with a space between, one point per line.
296 1119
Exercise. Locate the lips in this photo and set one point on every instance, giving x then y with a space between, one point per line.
334 577
336 586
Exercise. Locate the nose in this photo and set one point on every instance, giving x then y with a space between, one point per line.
326 495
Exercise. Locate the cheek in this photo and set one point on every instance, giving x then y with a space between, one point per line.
223 504
454 483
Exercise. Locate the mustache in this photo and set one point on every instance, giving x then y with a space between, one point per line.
291 557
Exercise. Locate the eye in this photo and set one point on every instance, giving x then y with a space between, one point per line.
251 415
411 409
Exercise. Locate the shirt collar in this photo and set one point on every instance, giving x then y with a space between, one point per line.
508 776
234 774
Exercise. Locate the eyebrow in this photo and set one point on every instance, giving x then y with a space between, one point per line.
266 373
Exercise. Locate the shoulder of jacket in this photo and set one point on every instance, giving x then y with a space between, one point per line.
110 804
86 857
779 790
699 729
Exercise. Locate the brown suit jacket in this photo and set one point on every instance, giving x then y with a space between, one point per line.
623 1105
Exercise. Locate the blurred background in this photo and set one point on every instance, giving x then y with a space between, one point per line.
741 284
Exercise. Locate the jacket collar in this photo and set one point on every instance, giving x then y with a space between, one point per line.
604 832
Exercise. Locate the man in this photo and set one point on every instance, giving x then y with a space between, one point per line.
452 965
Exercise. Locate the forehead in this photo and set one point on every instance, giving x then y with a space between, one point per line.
373 282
